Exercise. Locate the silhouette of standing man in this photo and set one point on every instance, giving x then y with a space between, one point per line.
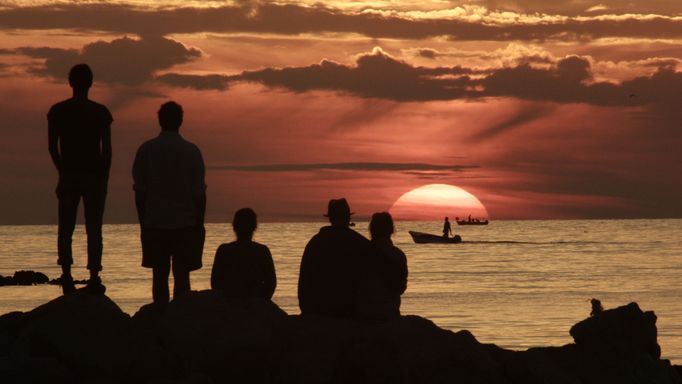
79 136
170 196
447 229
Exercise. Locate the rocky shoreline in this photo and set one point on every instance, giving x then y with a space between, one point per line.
207 338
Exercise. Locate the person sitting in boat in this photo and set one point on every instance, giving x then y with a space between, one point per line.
385 275
331 266
244 268
447 229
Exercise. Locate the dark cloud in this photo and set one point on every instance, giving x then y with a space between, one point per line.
124 61
586 7
369 166
200 82
378 75
428 53
294 19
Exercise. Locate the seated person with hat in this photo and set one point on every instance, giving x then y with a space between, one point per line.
332 265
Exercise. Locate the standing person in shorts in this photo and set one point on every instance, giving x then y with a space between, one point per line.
79 142
170 196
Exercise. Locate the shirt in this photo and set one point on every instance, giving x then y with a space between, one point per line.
170 172
80 126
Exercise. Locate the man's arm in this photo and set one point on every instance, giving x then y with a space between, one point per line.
270 275
53 143
199 197
218 270
200 207
139 186
140 202
106 150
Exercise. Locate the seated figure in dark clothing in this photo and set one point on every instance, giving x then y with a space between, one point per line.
331 266
385 275
244 268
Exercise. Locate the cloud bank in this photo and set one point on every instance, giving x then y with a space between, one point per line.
124 61
459 23
379 75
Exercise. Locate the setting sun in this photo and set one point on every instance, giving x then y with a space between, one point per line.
435 201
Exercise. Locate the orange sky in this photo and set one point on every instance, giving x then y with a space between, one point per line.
540 109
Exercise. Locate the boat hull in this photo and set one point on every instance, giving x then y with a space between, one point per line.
425 238
464 222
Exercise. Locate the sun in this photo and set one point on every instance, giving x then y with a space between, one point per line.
435 201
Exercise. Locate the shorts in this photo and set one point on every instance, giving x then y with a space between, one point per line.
184 246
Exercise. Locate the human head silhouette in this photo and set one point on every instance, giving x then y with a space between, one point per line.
80 77
170 116
338 212
244 223
446 218
381 226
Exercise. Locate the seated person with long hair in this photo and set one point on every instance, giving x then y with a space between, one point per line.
244 268
385 273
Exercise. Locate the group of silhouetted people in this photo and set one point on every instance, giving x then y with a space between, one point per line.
342 273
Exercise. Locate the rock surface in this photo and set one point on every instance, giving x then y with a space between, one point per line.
24 278
206 338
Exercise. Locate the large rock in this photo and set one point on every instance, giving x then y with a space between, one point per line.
204 337
613 346
230 340
88 336
625 329
30 278
24 278
408 349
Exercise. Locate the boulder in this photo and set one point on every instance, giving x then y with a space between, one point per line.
228 339
29 278
10 325
91 337
625 329
612 346
6 280
204 337
407 349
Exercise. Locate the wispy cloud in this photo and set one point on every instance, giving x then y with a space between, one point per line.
361 166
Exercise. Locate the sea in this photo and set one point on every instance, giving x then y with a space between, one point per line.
517 284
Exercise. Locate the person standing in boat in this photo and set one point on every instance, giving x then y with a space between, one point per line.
447 229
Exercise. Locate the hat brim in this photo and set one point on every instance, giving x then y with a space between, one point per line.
327 215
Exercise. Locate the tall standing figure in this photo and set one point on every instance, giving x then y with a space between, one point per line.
170 196
79 136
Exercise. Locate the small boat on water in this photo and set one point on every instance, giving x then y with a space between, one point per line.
472 222
423 238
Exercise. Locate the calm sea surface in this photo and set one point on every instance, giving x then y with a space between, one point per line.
517 284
